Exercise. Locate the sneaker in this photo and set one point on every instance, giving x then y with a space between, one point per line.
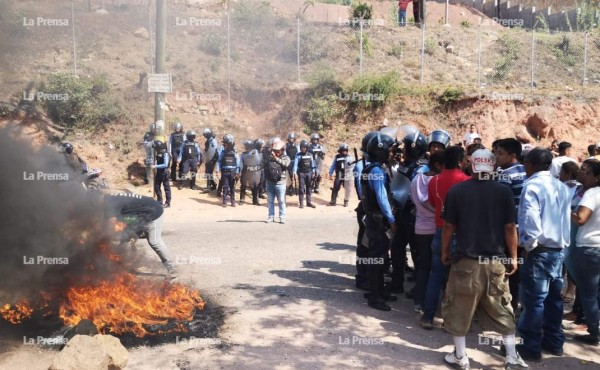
381 306
233 204
224 205
270 219
512 363
311 205
461 363
282 220
242 202
527 355
587 339
418 309
167 205
172 275
426 324
300 205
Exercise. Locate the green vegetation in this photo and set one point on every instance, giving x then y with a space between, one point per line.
397 50
312 46
466 24
362 11
509 50
372 91
566 52
430 46
324 81
213 44
80 102
320 112
450 96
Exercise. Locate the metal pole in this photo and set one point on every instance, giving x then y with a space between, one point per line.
161 55
585 53
298 47
150 39
228 63
532 58
361 47
74 41
446 12
479 57
422 52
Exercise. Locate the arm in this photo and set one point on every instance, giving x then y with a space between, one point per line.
283 161
530 222
295 169
510 235
170 144
238 164
218 167
180 152
332 167
164 165
382 198
447 232
581 216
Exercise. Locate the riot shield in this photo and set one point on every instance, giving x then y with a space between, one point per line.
252 164
400 188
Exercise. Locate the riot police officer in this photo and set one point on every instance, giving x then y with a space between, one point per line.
73 160
149 150
265 151
318 152
304 166
438 140
379 220
248 146
175 141
252 172
342 165
190 158
291 149
161 165
211 156
229 167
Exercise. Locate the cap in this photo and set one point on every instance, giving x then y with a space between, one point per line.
564 145
483 160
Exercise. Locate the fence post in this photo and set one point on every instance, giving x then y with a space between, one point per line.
532 58
150 39
585 52
361 47
479 57
228 64
298 47
74 41
422 52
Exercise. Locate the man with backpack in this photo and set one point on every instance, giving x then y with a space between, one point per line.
275 174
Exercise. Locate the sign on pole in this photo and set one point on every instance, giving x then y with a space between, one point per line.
160 83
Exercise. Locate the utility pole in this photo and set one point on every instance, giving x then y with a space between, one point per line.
161 57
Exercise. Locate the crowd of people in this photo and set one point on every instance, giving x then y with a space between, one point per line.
492 233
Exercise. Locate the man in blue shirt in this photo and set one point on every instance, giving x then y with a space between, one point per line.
544 230
161 165
212 155
229 166
189 158
379 218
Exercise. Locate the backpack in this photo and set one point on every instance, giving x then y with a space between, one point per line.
273 171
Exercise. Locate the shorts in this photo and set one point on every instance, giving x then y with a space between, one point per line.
476 286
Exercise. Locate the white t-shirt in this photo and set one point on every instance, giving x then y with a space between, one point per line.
588 234
469 137
557 164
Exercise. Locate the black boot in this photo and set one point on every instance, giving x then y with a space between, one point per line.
334 194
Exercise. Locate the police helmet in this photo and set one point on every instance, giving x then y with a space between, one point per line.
160 146
207 133
248 144
304 144
178 127
292 137
342 147
190 135
439 136
415 145
379 147
228 139
68 148
315 136
258 144
365 141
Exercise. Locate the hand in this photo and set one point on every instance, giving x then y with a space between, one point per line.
152 166
514 267
445 258
394 228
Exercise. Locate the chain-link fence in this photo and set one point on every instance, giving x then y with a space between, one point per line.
219 55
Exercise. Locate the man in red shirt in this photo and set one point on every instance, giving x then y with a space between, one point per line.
402 6
437 189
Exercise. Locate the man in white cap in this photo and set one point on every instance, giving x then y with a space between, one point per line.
481 212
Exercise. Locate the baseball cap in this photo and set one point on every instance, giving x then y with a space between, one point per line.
564 145
483 160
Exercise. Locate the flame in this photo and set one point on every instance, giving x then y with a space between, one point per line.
129 305
17 313
120 226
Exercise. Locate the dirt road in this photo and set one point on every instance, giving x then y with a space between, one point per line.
289 298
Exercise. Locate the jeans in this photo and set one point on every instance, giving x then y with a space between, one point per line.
401 18
422 266
438 275
541 283
587 277
276 190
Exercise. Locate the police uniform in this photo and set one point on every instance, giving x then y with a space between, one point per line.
362 250
229 166
190 158
161 165
291 149
251 163
318 153
175 141
304 166
148 148
211 146
342 166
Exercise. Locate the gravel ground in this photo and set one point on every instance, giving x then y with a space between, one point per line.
287 292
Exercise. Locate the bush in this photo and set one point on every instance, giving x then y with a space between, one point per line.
362 11
509 50
213 44
321 111
450 96
312 46
430 46
373 91
565 51
80 101
324 82
466 24
397 50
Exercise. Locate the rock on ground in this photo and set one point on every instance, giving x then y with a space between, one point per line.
100 352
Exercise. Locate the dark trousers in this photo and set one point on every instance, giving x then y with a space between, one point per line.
243 186
513 284
405 234
210 180
162 178
338 182
304 181
228 178
422 245
362 251
378 249
189 165
174 173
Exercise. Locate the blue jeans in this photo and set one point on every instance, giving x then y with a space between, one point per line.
276 190
587 278
541 283
401 18
437 276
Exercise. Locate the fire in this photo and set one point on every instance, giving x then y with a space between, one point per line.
130 305
17 313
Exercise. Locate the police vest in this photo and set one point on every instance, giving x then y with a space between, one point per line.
291 150
190 150
304 163
177 139
340 163
369 198
317 151
160 160
229 159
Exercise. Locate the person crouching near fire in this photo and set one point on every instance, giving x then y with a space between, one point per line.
142 216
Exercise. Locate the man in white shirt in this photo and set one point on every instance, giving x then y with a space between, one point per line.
471 135
564 155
